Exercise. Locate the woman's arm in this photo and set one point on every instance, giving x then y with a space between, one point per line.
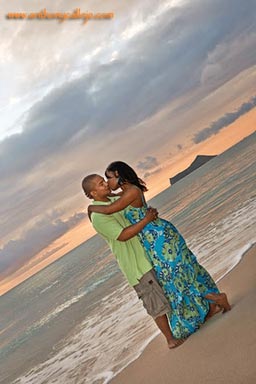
126 199
133 230
112 194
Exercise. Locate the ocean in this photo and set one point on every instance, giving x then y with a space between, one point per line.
77 321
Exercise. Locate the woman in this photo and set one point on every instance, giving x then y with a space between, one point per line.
193 295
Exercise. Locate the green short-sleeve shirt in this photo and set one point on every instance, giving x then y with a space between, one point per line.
130 254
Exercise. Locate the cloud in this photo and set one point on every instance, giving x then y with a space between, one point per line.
148 163
149 73
225 120
18 252
147 174
44 256
48 127
229 57
81 93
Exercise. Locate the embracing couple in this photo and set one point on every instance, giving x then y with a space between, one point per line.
175 289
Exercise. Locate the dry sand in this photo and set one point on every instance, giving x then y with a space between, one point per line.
222 351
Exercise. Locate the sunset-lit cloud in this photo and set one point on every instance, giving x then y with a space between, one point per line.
17 252
150 173
223 121
148 163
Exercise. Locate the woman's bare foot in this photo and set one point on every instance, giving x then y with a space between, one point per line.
214 309
224 302
221 300
174 343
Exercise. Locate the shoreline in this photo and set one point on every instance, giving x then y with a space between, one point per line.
246 249
221 351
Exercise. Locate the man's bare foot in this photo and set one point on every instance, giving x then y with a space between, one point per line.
214 309
174 343
221 300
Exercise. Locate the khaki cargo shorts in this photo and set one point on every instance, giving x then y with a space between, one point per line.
152 295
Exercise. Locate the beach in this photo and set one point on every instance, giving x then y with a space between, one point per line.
77 321
222 351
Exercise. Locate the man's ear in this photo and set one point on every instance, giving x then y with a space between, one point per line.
93 194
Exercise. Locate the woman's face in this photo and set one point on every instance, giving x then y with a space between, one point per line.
112 178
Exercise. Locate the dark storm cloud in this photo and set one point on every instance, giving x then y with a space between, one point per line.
17 252
166 61
148 163
225 120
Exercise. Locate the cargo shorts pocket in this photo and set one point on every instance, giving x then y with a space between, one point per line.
153 298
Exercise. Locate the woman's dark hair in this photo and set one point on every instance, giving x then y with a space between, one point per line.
126 174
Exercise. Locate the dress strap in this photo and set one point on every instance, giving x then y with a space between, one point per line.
142 197
143 200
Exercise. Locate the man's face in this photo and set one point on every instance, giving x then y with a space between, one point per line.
100 189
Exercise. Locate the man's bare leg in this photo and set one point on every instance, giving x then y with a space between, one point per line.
163 325
220 299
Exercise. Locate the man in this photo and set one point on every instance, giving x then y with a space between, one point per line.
129 253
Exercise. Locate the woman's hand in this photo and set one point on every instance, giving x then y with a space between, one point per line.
151 214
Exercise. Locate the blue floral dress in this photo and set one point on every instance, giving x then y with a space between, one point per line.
184 281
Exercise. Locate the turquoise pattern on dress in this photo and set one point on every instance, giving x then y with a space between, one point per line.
184 281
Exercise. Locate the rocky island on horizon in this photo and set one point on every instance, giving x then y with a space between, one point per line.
197 163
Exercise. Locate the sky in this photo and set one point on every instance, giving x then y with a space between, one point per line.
157 84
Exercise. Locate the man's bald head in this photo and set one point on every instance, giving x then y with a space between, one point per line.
88 184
